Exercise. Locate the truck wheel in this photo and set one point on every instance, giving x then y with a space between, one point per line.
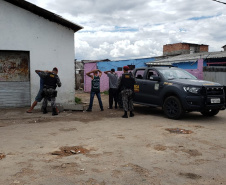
210 112
172 107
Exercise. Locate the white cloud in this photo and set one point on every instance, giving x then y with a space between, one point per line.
138 29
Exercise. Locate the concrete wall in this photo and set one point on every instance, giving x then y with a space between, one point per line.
186 65
195 68
199 71
106 66
50 45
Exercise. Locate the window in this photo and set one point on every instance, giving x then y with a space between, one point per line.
139 74
151 73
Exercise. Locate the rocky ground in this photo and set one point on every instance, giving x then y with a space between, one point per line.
100 147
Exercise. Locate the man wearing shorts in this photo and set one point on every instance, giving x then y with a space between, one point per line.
39 96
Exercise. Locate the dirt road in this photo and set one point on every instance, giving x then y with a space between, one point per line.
91 148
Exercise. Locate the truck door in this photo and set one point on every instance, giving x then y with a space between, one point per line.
138 87
151 88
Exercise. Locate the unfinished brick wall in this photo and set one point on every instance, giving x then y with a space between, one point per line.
204 48
182 48
176 49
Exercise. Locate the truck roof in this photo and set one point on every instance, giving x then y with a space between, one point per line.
157 67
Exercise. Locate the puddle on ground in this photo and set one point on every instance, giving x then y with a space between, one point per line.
70 150
179 131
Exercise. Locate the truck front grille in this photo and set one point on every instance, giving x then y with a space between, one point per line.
212 91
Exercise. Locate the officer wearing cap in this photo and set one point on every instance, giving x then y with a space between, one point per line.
126 86
51 81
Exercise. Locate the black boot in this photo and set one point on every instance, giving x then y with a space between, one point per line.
131 114
44 110
125 115
54 112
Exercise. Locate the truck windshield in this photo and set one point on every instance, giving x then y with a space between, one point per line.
171 74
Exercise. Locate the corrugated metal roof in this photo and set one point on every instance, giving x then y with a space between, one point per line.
45 14
191 57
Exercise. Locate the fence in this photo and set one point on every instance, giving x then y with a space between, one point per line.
215 74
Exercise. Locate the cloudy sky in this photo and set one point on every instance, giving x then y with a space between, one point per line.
128 29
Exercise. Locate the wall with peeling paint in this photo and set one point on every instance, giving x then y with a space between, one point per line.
49 45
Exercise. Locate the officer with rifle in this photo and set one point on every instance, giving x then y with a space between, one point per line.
126 87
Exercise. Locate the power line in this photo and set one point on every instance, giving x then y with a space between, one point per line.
219 1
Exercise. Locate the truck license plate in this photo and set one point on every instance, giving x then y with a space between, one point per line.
215 100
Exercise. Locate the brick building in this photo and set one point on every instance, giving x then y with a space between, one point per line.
183 48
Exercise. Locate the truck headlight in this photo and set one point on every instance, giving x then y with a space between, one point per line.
194 90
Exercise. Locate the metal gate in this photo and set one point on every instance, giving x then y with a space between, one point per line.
14 79
215 74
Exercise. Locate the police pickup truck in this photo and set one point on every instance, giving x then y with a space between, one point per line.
177 91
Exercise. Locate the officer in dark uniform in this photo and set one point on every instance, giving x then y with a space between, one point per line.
51 81
126 86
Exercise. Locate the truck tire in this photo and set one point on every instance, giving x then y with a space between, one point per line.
172 107
210 112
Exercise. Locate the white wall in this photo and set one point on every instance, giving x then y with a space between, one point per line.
50 45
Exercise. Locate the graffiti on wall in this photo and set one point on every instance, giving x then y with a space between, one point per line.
14 66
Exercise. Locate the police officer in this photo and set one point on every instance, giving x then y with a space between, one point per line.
51 81
126 86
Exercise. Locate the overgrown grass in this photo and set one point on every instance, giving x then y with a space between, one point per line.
106 92
78 100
